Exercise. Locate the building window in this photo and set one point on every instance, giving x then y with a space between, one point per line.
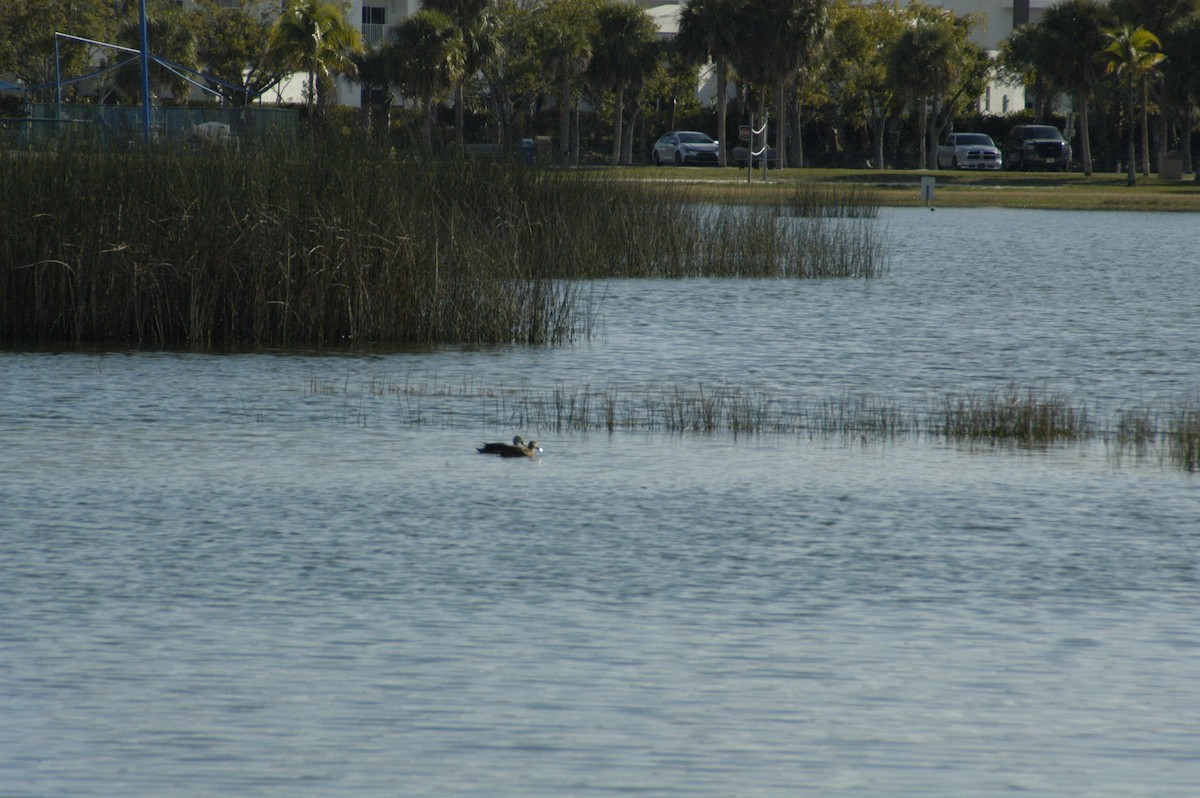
374 24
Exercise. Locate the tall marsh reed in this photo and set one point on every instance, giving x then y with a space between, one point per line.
319 245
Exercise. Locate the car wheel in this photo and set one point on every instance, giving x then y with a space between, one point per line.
678 158
954 162
654 159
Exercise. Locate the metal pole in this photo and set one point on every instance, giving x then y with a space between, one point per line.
57 81
750 151
766 147
145 71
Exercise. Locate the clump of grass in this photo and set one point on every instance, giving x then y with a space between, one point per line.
811 198
1183 437
1029 417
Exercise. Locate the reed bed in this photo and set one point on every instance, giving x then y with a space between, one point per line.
830 200
1025 418
318 245
1013 415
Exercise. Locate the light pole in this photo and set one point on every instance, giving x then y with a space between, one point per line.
145 39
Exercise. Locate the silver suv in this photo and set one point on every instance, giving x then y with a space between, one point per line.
1037 147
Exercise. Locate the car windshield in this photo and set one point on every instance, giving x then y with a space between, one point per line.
689 137
1041 132
974 139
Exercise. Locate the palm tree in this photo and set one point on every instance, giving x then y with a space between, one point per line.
1078 28
172 36
624 51
1162 17
707 31
312 36
923 61
564 34
1132 55
425 59
475 24
1181 81
778 38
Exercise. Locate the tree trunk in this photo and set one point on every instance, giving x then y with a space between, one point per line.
428 125
1085 137
564 120
627 139
722 110
1131 148
922 126
459 134
781 124
878 130
1145 128
618 123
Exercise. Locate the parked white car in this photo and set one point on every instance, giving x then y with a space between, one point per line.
969 151
685 147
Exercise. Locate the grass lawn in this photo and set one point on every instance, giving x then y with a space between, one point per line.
1072 191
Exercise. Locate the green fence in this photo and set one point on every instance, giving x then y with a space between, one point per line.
49 125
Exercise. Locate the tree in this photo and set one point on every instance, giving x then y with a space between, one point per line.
513 72
475 23
1077 26
564 36
313 37
778 38
232 46
172 35
1027 55
924 61
1161 17
855 66
708 31
1181 80
27 29
1131 55
425 58
624 51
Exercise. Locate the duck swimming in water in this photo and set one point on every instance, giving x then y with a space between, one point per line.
518 448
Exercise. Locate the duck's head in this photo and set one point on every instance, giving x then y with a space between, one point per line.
518 440
533 446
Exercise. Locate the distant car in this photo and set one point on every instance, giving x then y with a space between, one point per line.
683 147
1037 147
968 151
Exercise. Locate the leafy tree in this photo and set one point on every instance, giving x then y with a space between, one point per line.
1078 28
925 62
855 66
1181 79
232 45
513 73
1027 55
778 38
624 51
1132 54
564 36
708 31
1161 17
27 29
425 59
475 23
171 33
313 37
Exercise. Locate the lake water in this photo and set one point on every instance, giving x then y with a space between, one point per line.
286 575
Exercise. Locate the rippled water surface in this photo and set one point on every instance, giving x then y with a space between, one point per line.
286 575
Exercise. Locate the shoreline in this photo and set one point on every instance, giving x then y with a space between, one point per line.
902 187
